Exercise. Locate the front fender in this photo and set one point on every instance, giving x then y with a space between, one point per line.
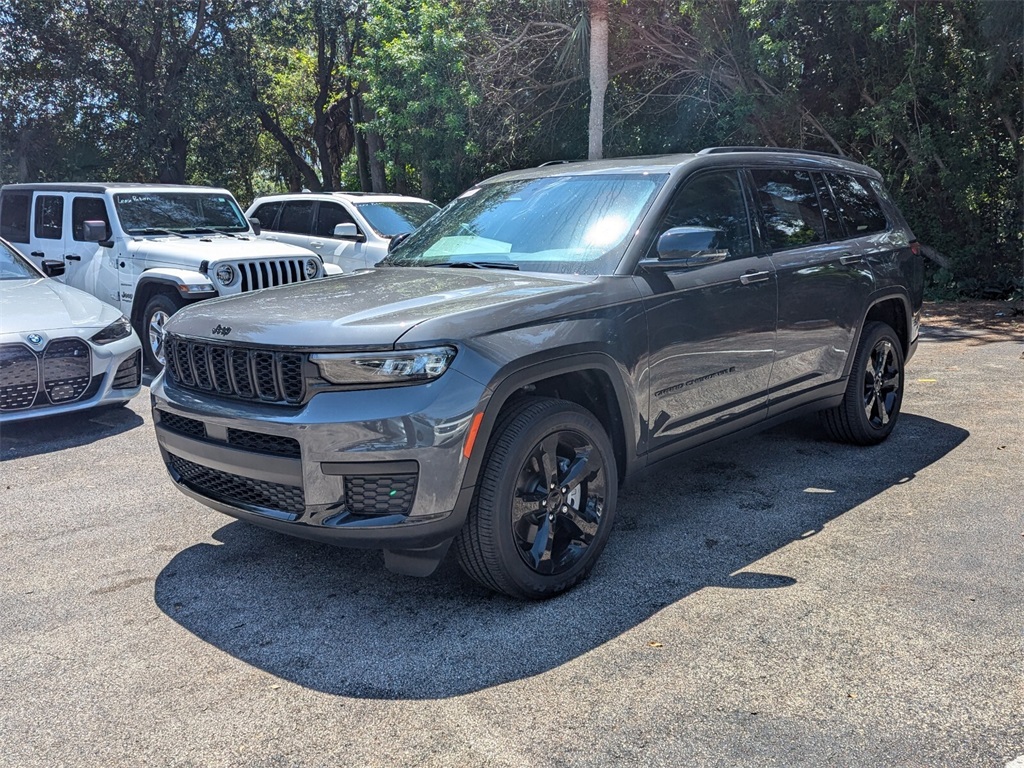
190 284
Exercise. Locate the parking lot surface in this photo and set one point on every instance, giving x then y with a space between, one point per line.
781 600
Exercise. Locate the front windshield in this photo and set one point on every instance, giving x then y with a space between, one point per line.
571 224
390 219
14 266
155 212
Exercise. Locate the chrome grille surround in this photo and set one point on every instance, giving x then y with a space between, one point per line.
243 373
61 373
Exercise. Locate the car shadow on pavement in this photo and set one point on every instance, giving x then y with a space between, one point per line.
22 439
335 621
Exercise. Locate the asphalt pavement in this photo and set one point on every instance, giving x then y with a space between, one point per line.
779 601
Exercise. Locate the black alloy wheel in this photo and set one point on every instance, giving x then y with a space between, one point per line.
874 392
544 503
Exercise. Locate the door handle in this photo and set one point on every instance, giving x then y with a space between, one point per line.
754 277
850 258
72 257
317 243
40 254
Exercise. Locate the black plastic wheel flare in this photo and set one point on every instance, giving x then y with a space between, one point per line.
881 384
558 504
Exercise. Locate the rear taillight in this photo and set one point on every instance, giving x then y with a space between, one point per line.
915 248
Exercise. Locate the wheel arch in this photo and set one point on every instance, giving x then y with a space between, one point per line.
175 283
893 309
590 380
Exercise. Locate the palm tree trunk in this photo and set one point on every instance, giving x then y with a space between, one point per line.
598 74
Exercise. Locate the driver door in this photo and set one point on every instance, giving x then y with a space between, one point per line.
711 328
89 266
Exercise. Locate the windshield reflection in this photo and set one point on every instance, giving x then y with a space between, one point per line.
566 224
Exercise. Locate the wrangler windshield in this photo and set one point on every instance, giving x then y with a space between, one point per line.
570 224
160 212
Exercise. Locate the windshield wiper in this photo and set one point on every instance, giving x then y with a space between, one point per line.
154 231
209 231
479 265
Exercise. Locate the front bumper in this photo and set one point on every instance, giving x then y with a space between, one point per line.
379 468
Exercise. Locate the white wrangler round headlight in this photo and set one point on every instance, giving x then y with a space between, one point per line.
312 267
225 274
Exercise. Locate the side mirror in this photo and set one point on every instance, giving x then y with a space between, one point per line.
94 231
397 240
691 246
53 268
255 224
348 231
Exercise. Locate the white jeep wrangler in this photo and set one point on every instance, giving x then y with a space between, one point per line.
149 249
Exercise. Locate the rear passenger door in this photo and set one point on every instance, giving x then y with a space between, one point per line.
347 254
711 328
295 223
823 283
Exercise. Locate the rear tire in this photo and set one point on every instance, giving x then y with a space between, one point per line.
544 503
158 311
874 392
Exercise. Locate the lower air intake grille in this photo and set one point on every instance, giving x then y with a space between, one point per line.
261 443
230 488
380 495
182 425
129 373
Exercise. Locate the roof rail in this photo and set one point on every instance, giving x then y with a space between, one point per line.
779 150
552 162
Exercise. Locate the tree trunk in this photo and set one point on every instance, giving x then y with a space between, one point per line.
598 10
362 151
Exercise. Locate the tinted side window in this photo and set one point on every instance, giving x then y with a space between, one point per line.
49 222
297 217
266 214
329 215
833 228
713 200
857 205
14 216
790 207
85 209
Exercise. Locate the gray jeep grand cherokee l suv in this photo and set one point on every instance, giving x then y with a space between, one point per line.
547 335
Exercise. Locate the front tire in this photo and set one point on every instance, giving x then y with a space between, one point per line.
544 503
158 311
874 392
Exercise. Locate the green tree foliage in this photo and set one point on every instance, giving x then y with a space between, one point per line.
427 97
414 74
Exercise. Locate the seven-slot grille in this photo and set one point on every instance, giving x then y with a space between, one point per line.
61 373
266 274
239 372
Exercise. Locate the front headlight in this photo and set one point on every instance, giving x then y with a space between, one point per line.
225 274
117 330
312 267
384 369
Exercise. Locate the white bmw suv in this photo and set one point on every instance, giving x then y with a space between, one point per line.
349 229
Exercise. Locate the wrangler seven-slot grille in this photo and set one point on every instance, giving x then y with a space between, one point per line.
239 372
59 374
266 274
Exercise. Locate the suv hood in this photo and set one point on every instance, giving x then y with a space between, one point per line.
46 305
194 249
372 309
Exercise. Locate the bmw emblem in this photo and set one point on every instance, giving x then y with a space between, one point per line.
35 339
